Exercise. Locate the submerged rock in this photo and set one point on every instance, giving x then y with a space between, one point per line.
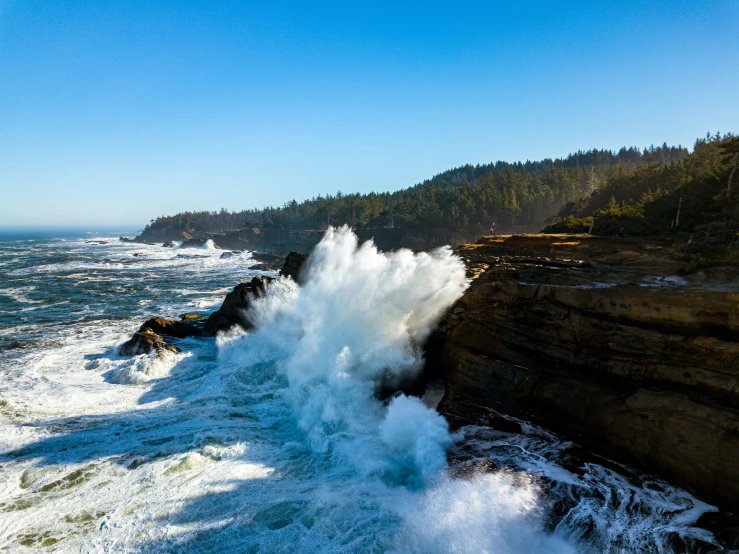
572 331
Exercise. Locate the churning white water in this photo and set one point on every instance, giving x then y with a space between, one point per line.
275 440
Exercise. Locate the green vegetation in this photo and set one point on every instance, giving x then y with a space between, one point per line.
693 196
570 224
513 196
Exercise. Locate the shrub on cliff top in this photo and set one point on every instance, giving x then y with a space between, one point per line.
569 225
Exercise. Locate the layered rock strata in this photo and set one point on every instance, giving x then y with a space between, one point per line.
605 340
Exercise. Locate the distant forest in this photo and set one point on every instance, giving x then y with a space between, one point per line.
508 195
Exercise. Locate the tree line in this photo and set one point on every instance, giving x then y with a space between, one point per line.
507 195
693 197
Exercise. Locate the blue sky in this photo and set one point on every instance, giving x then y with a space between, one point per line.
112 113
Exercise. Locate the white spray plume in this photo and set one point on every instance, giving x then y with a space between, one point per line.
359 321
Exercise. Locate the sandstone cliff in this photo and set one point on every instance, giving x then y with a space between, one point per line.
608 341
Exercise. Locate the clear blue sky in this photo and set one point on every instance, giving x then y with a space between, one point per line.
116 112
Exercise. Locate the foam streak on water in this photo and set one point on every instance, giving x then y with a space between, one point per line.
271 441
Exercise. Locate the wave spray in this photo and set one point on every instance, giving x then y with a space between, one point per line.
357 323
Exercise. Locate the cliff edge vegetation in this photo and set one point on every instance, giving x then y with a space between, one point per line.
694 201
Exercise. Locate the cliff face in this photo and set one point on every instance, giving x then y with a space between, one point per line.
603 340
283 240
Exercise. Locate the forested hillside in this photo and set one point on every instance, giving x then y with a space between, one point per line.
509 195
696 195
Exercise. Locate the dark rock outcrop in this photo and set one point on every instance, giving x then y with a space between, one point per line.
293 266
171 327
267 258
232 311
168 244
198 243
148 337
193 318
604 341
144 341
283 241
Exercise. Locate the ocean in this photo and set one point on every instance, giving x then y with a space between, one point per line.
275 440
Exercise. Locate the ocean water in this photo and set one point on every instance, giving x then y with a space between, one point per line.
274 440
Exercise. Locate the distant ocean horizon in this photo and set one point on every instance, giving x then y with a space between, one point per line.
56 230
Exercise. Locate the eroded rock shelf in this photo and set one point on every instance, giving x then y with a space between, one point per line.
608 341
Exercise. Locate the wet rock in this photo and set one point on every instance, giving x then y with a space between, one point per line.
17 344
232 311
293 266
125 239
145 341
725 528
229 254
149 336
193 317
574 330
197 243
168 244
171 327
268 259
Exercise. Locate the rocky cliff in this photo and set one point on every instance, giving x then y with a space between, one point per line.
283 241
607 341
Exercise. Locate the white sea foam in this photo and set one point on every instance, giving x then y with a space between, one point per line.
18 294
138 370
664 281
493 513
